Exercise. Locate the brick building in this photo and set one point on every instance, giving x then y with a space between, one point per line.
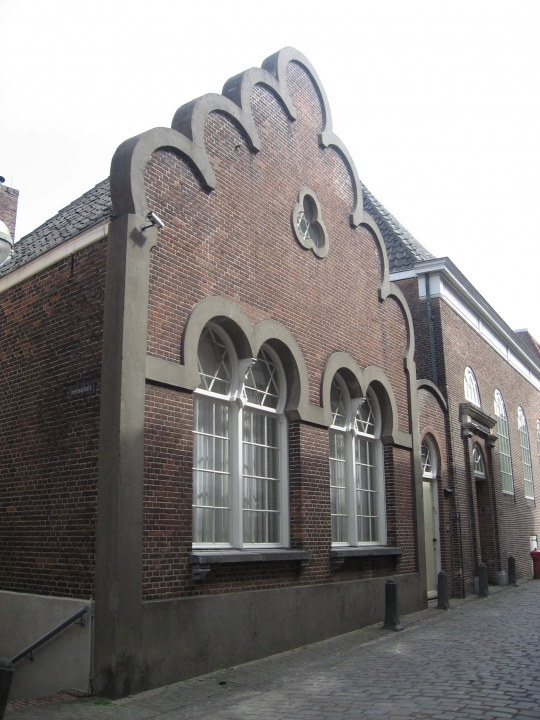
228 399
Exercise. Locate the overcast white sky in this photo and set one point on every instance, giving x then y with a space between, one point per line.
438 103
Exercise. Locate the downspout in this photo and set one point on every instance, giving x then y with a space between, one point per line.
431 333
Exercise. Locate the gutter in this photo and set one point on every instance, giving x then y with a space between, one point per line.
444 273
51 257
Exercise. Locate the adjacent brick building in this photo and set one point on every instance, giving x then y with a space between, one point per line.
218 370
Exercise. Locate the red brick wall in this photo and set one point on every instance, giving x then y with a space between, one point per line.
518 517
167 510
51 328
491 525
238 242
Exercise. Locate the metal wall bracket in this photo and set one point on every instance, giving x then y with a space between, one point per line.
200 572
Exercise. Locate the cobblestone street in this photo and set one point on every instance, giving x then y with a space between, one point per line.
480 660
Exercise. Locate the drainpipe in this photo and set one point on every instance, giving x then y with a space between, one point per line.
431 333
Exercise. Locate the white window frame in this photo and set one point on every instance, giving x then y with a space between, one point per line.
526 461
507 477
470 386
236 401
350 432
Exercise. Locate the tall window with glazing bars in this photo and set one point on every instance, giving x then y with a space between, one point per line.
356 468
240 483
525 455
505 457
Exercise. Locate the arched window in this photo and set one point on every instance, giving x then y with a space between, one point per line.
471 387
356 468
505 458
240 495
525 454
429 458
479 467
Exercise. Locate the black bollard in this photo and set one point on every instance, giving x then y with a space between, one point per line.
6 676
483 589
442 591
391 617
512 575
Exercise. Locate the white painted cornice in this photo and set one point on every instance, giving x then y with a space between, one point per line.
67 248
449 284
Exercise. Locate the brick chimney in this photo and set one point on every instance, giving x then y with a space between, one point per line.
8 207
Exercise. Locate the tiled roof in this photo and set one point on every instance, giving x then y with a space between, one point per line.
88 210
403 250
95 206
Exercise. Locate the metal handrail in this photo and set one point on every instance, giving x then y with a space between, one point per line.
30 649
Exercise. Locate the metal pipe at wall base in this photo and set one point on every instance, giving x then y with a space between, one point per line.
6 676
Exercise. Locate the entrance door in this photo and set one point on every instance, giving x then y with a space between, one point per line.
431 525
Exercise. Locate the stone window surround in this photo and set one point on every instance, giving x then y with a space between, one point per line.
236 402
350 432
307 195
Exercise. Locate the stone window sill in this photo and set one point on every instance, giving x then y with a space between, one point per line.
338 554
202 560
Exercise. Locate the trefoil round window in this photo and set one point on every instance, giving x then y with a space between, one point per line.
307 222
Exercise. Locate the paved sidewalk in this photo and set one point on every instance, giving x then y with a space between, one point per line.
480 660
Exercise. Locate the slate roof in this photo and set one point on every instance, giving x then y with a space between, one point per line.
403 250
95 206
88 210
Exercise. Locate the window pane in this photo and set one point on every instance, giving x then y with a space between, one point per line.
221 493
273 495
221 533
248 459
222 420
273 527
259 427
272 434
426 459
339 529
365 418
337 404
272 463
478 462
221 455
203 525
214 363
204 446
262 385
204 416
